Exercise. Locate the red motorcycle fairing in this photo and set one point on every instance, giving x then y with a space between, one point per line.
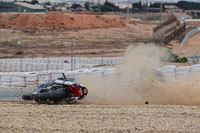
75 91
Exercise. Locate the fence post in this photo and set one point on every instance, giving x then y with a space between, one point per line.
48 63
72 55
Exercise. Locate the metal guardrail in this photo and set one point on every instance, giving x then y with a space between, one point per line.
192 20
190 34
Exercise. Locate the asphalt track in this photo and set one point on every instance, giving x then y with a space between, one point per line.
12 94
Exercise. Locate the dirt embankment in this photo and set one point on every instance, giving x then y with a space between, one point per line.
103 35
29 22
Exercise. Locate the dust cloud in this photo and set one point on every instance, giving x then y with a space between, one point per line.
135 82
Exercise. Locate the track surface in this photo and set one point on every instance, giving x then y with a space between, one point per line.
12 94
18 117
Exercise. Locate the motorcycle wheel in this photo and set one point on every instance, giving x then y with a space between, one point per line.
51 96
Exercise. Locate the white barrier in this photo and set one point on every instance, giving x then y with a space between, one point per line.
56 73
43 76
183 68
169 71
5 80
183 72
18 80
195 71
33 79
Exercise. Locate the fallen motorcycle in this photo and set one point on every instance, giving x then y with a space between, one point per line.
61 90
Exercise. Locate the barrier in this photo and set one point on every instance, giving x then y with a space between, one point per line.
43 76
56 73
190 34
18 80
33 79
183 72
5 80
183 68
167 69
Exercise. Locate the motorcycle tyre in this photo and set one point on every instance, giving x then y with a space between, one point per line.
52 95
27 97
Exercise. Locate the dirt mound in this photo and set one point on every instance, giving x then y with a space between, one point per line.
59 21
93 42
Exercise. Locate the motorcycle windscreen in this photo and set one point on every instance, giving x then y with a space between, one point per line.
46 84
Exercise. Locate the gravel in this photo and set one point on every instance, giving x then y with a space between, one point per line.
20 117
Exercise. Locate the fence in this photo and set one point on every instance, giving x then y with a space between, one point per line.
41 64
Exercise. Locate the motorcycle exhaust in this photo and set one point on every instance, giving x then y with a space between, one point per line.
63 82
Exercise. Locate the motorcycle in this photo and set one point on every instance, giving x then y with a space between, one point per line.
60 90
